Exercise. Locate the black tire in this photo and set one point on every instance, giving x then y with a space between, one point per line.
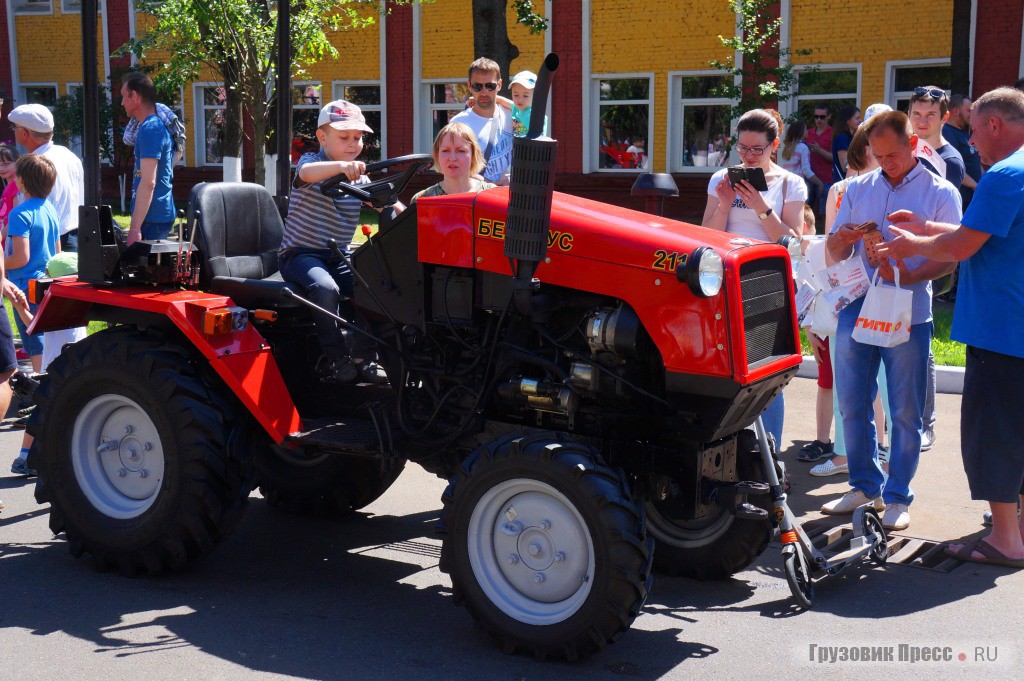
520 507
174 484
872 528
328 484
718 545
799 579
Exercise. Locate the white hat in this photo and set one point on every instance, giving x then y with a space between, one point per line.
34 117
875 109
528 79
342 115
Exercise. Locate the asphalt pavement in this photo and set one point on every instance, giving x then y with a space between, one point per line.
317 598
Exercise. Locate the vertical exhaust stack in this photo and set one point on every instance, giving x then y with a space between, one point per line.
530 192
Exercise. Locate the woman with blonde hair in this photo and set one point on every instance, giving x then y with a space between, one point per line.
458 158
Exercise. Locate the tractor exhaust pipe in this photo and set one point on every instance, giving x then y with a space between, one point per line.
530 192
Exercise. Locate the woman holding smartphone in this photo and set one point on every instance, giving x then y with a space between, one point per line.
739 208
776 211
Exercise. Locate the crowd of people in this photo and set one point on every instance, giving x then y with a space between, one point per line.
903 198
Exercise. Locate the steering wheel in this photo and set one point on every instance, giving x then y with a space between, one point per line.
383 192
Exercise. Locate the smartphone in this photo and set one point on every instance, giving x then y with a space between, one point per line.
755 176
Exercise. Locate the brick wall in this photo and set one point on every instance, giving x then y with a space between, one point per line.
997 44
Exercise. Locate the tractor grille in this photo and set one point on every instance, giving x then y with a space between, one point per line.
767 317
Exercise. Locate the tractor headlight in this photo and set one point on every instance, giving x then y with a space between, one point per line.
703 272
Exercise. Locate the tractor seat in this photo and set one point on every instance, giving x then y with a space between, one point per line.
239 231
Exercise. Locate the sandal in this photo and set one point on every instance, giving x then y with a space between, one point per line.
812 451
828 468
989 555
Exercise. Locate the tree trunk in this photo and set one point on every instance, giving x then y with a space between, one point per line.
960 52
231 149
259 135
490 36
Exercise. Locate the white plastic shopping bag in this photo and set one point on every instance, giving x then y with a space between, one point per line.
885 316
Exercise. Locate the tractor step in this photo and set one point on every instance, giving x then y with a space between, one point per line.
733 498
350 435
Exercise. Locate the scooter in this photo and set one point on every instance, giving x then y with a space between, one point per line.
801 560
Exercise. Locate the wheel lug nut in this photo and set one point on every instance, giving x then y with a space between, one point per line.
535 549
545 524
143 473
513 559
128 430
147 446
539 577
559 557
123 472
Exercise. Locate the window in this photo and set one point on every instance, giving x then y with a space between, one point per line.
446 99
831 86
366 95
623 115
209 104
701 122
75 6
32 7
306 102
40 94
908 75
173 99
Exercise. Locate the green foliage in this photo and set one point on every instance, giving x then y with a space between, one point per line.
760 85
69 121
527 16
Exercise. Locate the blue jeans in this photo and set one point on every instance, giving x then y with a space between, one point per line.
325 278
906 366
152 231
33 344
772 418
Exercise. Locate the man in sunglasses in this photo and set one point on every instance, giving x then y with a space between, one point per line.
491 124
819 141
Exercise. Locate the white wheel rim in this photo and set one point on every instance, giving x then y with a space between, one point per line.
118 457
531 551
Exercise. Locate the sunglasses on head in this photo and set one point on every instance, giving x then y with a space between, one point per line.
932 92
477 87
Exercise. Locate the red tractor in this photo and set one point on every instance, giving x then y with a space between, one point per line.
585 377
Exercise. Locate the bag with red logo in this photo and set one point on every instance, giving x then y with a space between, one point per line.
885 316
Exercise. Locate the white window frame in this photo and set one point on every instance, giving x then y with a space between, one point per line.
338 92
19 8
891 95
426 140
793 103
677 114
592 151
24 87
199 117
78 10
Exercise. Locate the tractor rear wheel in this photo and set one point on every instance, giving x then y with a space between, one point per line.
719 544
322 484
544 546
142 460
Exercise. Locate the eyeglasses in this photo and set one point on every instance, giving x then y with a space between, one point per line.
821 116
932 92
477 87
756 151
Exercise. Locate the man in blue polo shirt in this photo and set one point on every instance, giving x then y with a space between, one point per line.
901 182
989 318
152 202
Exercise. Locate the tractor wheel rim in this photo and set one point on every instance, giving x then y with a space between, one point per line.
118 456
531 551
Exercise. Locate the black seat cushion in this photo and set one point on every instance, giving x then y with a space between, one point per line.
239 230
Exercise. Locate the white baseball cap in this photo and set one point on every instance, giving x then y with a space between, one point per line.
342 115
34 117
875 109
528 79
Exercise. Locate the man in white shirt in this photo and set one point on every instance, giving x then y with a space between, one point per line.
491 124
33 130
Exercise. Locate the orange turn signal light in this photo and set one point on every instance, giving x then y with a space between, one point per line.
37 289
225 320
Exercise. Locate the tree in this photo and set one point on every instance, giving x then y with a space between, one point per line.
765 73
236 40
490 31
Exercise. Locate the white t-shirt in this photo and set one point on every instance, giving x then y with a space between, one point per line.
69 189
500 158
743 221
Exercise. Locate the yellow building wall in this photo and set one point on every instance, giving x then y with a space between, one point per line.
877 32
358 56
447 40
50 48
658 37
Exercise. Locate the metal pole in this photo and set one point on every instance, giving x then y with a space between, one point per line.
284 105
90 84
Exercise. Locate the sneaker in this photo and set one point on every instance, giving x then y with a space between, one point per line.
26 411
371 372
897 517
883 454
20 467
823 470
812 451
336 370
850 502
927 440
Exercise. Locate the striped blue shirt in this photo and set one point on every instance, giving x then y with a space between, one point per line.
314 218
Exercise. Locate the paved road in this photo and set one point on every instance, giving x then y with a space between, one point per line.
288 597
